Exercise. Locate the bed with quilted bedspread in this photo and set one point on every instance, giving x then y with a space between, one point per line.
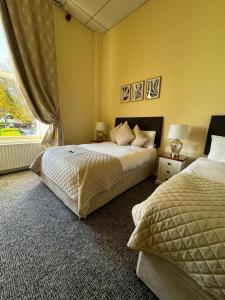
183 222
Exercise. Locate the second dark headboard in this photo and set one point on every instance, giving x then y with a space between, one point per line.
145 123
216 127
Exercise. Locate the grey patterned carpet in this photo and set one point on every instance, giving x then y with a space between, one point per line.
48 253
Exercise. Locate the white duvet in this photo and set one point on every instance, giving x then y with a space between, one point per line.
130 157
208 169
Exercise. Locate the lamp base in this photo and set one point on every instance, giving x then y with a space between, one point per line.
176 146
100 136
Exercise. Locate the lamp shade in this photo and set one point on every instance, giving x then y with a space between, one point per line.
178 131
100 126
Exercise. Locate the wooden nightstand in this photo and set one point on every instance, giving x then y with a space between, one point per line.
169 166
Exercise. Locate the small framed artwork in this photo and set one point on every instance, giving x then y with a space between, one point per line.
125 93
153 88
138 91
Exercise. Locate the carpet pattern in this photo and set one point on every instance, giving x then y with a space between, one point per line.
48 253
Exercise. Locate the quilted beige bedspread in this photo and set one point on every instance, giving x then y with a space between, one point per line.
79 172
183 221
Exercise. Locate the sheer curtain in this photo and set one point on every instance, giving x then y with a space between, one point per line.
29 28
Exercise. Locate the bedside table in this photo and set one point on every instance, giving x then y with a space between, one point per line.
95 141
169 166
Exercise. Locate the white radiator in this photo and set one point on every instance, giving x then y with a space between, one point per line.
18 156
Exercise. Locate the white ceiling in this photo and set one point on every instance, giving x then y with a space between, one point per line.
100 15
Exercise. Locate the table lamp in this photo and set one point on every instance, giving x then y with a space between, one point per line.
177 132
100 131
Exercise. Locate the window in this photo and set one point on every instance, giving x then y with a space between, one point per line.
16 122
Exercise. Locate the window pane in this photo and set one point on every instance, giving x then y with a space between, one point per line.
15 119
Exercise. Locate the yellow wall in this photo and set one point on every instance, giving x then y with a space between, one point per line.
75 50
184 41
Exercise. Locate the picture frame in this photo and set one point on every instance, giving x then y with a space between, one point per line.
153 87
125 93
138 91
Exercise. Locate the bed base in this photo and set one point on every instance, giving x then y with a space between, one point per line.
130 179
166 281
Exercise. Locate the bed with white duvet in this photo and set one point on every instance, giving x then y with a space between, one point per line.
87 176
130 157
180 229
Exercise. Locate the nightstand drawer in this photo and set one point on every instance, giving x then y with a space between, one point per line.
168 165
168 171
163 177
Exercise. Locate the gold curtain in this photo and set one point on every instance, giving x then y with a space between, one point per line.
29 26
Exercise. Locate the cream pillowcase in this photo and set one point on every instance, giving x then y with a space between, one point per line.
217 149
150 134
113 131
124 135
140 138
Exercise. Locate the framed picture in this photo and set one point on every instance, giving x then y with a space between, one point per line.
138 91
125 93
153 88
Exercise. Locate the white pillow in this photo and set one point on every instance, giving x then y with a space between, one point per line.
113 131
124 135
217 149
140 137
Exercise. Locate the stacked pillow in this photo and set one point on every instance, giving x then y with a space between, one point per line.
151 138
113 132
140 138
123 135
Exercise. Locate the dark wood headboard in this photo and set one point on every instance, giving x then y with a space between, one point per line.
216 127
145 123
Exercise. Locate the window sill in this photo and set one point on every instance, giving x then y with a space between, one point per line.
19 140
